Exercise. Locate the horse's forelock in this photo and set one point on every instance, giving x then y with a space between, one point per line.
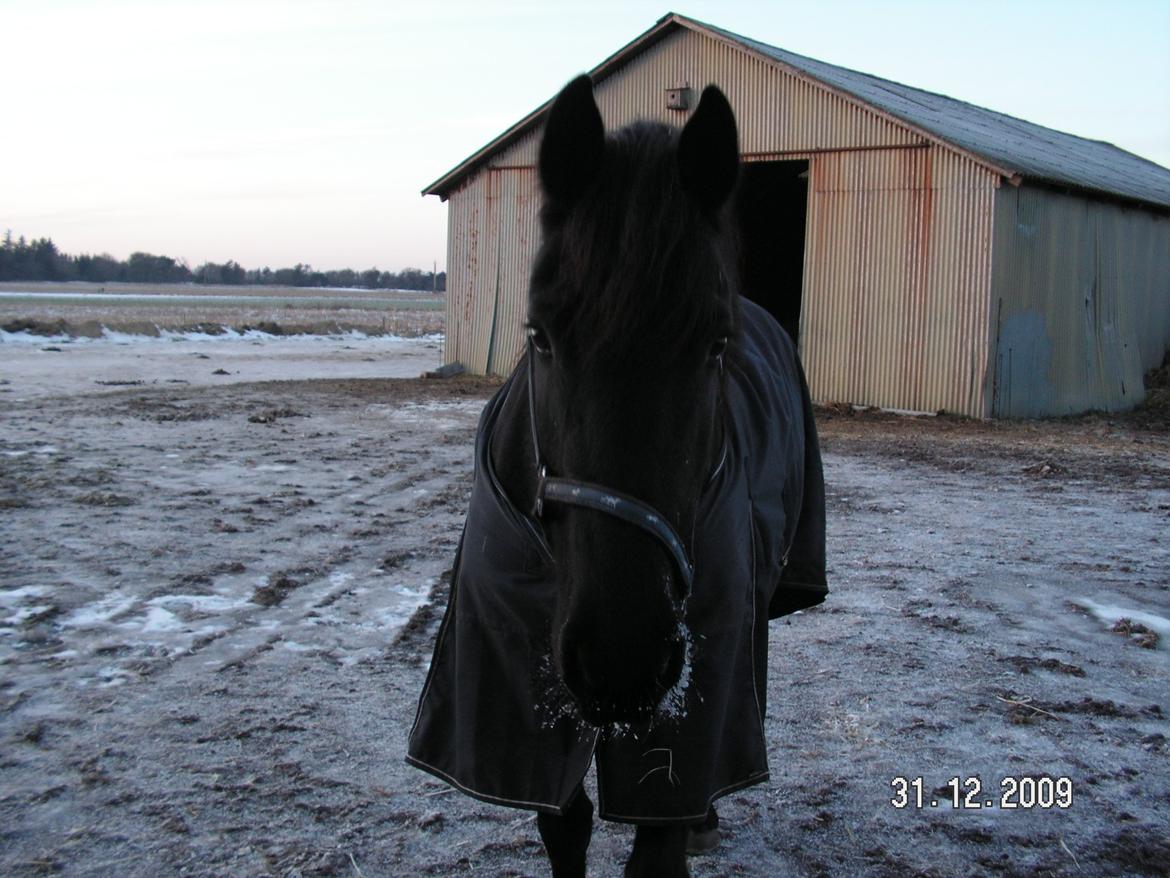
635 264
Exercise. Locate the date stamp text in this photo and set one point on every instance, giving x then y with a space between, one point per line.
969 793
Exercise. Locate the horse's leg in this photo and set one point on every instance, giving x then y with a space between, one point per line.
704 837
566 838
659 852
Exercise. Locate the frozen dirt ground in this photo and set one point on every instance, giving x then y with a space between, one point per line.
217 606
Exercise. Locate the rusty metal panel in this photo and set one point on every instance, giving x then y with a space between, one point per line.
897 270
1081 292
519 203
472 267
459 326
492 237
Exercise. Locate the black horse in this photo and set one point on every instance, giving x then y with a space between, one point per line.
648 493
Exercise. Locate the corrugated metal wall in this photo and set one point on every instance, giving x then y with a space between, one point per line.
492 235
897 268
1081 292
897 262
472 256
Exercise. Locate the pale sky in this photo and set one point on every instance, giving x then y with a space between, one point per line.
281 132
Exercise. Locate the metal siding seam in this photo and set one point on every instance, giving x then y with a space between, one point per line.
834 313
518 204
944 297
985 185
472 211
845 236
451 321
859 292
963 271
816 329
960 277
505 200
476 231
478 240
924 257
456 275
841 237
509 233
977 292
528 209
811 323
486 288
982 187
953 303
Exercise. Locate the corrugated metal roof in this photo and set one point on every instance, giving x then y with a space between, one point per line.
1012 146
1029 150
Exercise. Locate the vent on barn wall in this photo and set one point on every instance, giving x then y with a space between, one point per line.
678 97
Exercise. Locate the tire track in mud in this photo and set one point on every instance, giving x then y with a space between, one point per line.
391 515
227 537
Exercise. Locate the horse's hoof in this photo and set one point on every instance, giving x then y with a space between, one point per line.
701 840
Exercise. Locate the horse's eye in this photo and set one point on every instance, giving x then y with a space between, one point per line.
539 341
718 347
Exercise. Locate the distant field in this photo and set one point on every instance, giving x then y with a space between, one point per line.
84 309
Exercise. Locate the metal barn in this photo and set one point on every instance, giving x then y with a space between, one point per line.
927 254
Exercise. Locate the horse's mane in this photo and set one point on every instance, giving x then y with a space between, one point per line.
634 267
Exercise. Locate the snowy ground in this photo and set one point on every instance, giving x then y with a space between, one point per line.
37 365
218 596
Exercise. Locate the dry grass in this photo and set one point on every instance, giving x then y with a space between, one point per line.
129 289
1154 413
88 321
280 310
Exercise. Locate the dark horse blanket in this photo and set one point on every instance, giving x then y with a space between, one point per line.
493 719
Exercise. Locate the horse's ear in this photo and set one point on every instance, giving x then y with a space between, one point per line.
573 144
708 151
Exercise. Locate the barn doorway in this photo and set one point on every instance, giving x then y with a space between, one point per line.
771 208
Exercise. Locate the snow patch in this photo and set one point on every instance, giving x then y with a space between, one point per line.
674 702
159 619
227 334
14 596
98 613
203 603
1110 613
24 452
111 676
24 614
293 646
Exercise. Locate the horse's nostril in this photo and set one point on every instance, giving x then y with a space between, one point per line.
580 674
618 682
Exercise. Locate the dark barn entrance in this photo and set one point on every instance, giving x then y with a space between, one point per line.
771 208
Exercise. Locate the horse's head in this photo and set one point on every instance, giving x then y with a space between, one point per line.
631 308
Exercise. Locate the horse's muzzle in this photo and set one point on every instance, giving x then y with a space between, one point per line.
621 689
